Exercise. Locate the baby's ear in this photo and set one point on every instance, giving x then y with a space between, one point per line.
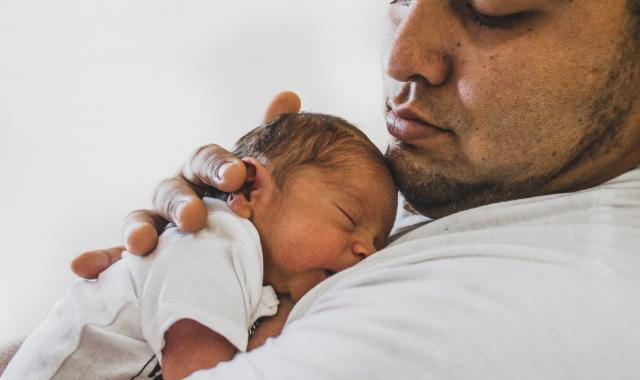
259 182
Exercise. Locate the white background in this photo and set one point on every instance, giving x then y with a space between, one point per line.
100 100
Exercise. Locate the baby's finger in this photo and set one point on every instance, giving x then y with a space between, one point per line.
175 200
141 230
214 166
284 102
90 264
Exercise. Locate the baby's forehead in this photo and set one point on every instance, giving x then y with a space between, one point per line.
351 173
366 183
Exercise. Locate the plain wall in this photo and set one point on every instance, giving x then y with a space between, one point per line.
100 100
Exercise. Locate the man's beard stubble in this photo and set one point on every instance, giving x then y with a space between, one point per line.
435 194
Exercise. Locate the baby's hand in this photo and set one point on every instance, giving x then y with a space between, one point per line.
271 327
190 346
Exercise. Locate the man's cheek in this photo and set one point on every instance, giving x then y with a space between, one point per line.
483 134
494 147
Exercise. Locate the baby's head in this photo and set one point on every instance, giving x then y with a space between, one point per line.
319 194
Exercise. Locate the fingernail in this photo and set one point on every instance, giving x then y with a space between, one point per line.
191 216
178 210
223 169
140 242
129 230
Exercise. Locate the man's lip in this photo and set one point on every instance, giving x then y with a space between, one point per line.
408 127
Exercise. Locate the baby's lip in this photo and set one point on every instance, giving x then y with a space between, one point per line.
328 273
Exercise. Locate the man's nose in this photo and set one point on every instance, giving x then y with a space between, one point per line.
417 48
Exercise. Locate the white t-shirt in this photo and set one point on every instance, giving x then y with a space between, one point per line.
540 288
114 328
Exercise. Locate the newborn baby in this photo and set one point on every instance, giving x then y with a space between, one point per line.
318 200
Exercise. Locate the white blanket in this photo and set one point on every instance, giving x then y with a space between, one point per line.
539 288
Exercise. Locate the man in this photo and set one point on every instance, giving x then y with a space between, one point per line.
517 125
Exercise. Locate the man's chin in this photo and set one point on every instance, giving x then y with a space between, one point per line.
436 195
433 190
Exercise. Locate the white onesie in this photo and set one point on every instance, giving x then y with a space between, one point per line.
114 328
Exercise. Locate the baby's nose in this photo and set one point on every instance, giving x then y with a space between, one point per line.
362 250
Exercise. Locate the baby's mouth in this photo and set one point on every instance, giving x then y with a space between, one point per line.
329 273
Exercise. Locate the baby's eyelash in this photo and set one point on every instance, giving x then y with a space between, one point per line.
347 215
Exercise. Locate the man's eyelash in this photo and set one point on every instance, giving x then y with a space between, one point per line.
495 22
481 19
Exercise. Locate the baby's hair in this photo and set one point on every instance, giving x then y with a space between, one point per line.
297 140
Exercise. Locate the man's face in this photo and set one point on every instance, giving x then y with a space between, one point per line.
491 100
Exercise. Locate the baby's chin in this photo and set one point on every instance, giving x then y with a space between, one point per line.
303 283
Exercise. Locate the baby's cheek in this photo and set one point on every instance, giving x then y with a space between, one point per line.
318 251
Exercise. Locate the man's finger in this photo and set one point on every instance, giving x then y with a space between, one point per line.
90 264
214 166
284 102
176 201
141 230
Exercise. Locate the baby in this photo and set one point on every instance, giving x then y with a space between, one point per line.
318 199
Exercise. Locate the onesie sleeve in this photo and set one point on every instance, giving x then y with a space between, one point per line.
212 278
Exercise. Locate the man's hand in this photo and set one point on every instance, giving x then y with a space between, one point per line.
177 199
